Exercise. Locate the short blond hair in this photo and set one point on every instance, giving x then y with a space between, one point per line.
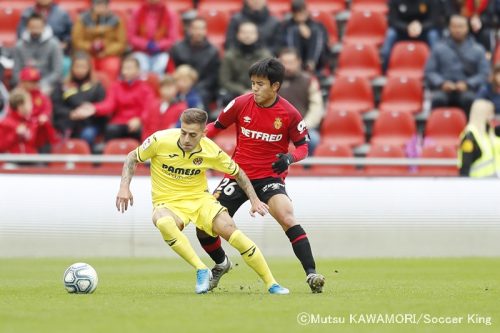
186 70
18 97
194 116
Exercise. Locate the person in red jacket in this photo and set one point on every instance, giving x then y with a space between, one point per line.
125 103
17 132
152 30
164 112
41 115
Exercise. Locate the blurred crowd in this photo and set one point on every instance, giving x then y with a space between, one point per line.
101 73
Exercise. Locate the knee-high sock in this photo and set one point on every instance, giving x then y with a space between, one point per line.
178 241
302 248
252 256
212 247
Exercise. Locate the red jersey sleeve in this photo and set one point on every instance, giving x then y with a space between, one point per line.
298 130
230 113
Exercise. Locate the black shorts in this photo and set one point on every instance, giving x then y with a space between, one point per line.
231 196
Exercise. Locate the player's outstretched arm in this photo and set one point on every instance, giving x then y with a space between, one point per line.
124 195
245 184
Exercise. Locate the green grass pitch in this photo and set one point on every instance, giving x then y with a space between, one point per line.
157 295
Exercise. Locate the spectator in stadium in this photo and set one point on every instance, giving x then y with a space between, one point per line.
302 89
410 20
482 16
196 51
186 77
180 195
491 90
456 68
266 125
476 154
17 132
233 81
41 109
152 30
125 103
78 88
40 49
4 100
307 36
101 33
255 11
165 111
58 20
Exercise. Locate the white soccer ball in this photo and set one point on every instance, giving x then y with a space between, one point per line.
80 278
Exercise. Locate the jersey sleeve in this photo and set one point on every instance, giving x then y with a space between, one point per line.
229 115
223 163
298 130
147 149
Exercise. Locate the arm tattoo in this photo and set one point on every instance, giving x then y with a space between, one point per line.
129 168
246 185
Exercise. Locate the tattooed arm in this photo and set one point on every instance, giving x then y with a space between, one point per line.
124 195
245 184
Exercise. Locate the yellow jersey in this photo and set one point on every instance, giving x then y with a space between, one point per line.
179 175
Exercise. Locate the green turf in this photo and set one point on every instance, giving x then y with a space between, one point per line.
157 295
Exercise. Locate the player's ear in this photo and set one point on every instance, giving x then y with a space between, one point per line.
276 86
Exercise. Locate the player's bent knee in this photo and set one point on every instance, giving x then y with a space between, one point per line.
287 221
167 223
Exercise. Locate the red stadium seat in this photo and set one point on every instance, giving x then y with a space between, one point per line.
72 147
444 126
330 7
217 23
332 150
393 128
228 6
17 4
408 59
402 94
365 27
343 128
180 6
438 151
104 78
359 60
379 6
351 94
330 25
386 151
9 18
118 147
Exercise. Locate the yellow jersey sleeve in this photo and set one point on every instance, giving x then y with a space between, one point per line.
147 149
224 163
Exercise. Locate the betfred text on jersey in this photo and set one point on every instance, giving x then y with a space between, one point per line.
181 171
260 135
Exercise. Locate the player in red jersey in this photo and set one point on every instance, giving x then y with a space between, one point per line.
265 124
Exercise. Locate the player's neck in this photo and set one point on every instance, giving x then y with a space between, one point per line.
269 102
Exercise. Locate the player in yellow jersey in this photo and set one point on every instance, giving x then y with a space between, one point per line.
179 160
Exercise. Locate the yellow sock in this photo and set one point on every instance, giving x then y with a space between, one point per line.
178 241
252 256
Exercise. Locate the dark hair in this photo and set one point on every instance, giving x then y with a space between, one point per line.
194 116
270 68
17 98
297 6
35 16
243 22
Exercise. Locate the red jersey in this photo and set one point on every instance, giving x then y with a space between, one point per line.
262 133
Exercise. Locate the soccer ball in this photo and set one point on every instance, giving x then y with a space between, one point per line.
80 278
